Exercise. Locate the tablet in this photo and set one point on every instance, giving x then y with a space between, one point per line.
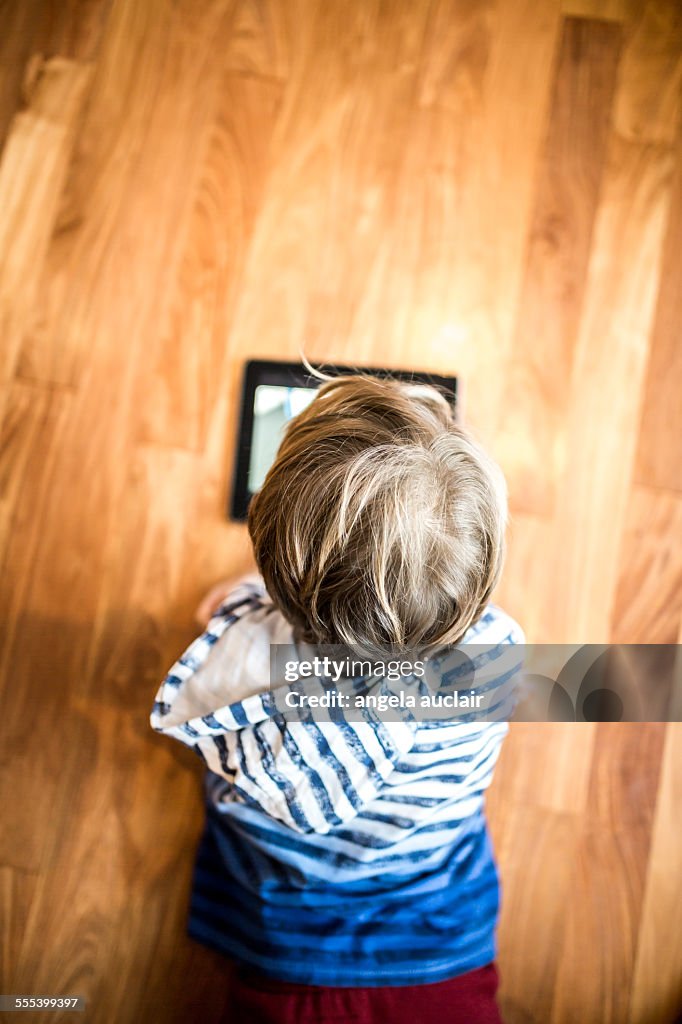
272 393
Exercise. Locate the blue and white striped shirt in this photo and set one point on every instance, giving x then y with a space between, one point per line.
335 852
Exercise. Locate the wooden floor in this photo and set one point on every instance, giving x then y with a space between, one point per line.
491 188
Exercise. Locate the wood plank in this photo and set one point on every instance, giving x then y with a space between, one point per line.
471 166
275 40
523 587
131 181
657 983
263 38
179 384
324 229
624 777
648 602
45 748
33 29
606 386
32 171
32 431
108 874
597 949
458 50
17 28
371 227
597 959
659 463
536 886
527 777
19 890
142 580
530 436
648 105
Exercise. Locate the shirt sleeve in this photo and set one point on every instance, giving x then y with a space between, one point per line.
310 775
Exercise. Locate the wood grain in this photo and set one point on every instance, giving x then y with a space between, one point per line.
648 599
178 385
607 383
32 170
487 189
597 959
31 33
657 983
481 167
660 465
31 431
648 108
535 925
559 242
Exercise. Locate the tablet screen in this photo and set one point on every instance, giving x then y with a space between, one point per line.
272 407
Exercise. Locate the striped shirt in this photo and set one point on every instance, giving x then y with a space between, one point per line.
336 852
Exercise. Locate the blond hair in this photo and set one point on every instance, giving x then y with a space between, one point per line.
381 522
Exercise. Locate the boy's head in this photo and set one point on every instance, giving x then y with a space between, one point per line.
381 522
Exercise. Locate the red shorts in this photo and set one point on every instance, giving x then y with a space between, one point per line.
467 999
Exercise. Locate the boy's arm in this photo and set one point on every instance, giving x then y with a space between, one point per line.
218 594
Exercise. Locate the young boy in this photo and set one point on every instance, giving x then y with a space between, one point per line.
346 866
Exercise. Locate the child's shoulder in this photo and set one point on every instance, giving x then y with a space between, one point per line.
496 626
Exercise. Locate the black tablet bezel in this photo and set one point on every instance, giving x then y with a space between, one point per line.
283 374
